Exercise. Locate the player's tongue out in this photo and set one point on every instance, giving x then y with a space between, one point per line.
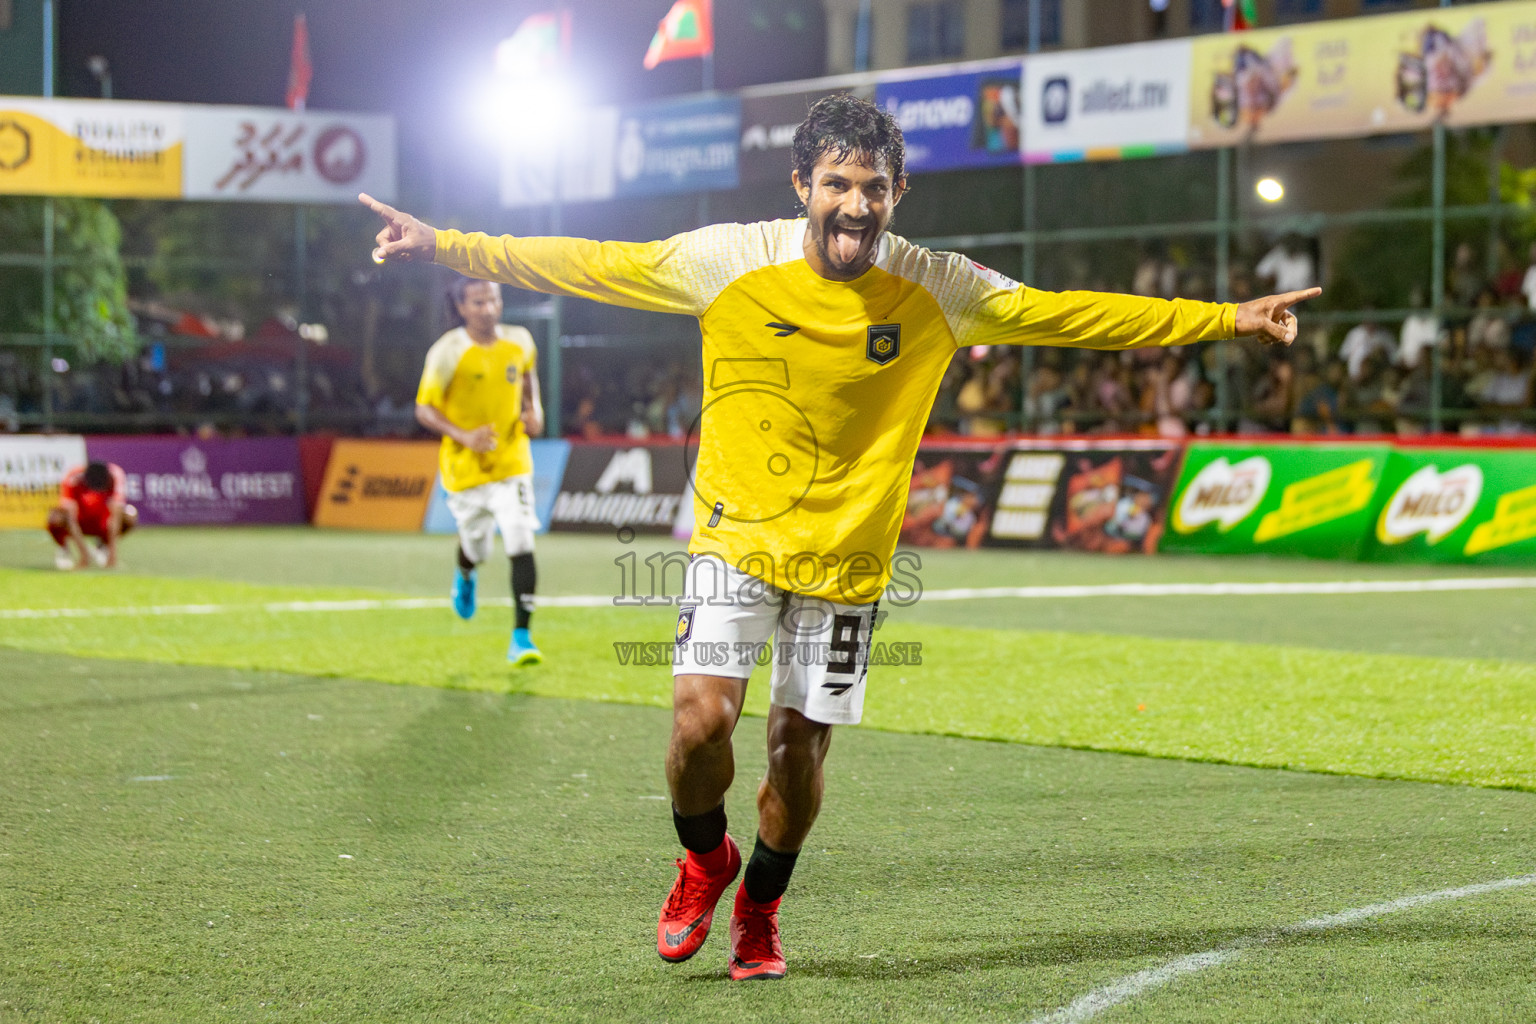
845 242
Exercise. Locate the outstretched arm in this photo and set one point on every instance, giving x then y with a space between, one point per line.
1270 319
403 239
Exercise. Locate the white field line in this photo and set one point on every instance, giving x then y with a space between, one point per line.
1088 1006
960 594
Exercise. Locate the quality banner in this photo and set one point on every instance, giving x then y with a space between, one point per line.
1313 500
964 120
377 485
1456 505
174 481
101 148
31 469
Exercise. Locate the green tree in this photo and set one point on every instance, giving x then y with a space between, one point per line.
90 293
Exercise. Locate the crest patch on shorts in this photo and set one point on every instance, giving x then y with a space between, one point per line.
685 624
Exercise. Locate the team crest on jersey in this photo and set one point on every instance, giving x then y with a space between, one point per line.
511 375
884 342
685 624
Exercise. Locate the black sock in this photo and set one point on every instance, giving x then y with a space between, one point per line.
465 565
701 833
768 872
525 579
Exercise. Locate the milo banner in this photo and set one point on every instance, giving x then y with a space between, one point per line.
176 481
1314 500
31 469
607 488
1456 505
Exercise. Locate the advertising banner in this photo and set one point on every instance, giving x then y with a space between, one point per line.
549 457
607 487
1456 505
91 148
1106 496
768 126
583 154
377 485
271 155
964 120
31 469
950 500
175 481
1313 500
1467 65
1119 101
678 146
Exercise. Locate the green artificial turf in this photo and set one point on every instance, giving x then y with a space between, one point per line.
1432 719
191 843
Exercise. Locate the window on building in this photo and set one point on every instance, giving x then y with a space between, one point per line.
1016 23
1298 10
1206 16
936 30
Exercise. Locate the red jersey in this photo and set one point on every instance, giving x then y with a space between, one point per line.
93 507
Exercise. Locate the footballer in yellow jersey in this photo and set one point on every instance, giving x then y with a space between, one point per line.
824 342
479 389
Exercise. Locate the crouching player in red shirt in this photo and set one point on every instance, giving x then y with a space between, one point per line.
93 502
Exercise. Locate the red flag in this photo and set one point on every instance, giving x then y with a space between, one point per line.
300 70
686 31
1240 15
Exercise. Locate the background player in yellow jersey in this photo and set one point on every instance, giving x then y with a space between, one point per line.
479 389
824 341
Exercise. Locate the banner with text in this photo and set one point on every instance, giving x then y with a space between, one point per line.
1314 500
1466 65
768 126
31 469
1120 101
1456 505
176 481
117 149
377 485
607 488
962 120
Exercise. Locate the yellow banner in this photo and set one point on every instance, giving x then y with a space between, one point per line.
1320 499
31 469
90 148
1365 76
377 485
1514 520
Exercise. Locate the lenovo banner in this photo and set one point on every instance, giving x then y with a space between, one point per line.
377 485
176 481
31 469
965 120
607 488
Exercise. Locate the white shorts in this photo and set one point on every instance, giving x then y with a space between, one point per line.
505 505
731 622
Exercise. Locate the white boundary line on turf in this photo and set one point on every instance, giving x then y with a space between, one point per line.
960 594
1088 1006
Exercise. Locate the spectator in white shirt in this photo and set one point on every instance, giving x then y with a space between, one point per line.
1289 265
1361 342
1528 285
1421 332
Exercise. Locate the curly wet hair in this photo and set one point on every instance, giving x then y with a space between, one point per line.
844 125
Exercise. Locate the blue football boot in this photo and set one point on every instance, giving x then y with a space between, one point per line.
464 594
521 651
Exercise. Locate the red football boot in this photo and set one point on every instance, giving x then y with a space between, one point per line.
755 949
690 906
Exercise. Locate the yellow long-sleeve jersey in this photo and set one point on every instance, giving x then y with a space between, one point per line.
472 385
816 391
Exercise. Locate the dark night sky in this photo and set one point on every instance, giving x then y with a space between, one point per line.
419 61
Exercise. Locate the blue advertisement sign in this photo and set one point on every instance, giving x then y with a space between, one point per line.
549 458
678 146
968 120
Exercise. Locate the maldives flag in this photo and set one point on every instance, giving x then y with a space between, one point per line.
686 31
300 70
542 43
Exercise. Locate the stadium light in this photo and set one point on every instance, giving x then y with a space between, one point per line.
1270 190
